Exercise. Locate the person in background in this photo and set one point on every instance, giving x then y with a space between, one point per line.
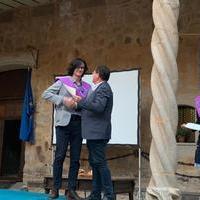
197 152
67 124
96 129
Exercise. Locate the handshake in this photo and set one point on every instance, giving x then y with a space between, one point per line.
71 102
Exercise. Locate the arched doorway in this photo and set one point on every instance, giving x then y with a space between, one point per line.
12 86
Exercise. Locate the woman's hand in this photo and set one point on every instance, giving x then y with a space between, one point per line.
69 102
77 98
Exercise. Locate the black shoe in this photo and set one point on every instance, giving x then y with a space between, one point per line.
93 196
72 195
54 194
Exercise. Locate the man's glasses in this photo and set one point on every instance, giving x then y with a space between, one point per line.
80 67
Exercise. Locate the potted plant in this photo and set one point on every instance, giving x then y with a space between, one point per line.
182 134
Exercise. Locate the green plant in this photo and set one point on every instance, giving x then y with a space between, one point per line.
183 132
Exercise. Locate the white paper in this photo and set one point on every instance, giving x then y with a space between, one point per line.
192 126
71 90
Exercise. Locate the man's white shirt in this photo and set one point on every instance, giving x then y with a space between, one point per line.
94 86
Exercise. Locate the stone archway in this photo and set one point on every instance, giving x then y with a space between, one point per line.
13 71
21 60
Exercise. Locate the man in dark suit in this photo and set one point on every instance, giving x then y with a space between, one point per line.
96 129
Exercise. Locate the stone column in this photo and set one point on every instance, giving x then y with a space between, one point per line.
164 113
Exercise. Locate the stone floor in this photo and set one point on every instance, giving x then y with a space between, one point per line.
21 186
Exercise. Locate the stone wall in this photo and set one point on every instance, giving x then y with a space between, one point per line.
115 32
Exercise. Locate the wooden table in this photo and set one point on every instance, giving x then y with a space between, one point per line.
120 185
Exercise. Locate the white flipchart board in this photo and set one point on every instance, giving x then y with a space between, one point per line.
125 116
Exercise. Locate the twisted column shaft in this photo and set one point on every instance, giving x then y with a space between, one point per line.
164 113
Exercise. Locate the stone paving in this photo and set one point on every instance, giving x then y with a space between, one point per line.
21 186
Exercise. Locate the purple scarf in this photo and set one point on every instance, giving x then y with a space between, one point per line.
81 90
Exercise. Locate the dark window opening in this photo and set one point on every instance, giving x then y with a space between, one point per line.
186 114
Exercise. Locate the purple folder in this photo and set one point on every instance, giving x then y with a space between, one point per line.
197 104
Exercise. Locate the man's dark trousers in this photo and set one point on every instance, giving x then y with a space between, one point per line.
64 135
101 173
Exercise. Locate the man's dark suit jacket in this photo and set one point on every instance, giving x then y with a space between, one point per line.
96 113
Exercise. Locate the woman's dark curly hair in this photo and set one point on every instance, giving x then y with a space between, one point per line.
75 64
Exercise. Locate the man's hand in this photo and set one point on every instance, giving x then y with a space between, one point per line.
69 102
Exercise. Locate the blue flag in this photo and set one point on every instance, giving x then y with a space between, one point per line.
27 123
